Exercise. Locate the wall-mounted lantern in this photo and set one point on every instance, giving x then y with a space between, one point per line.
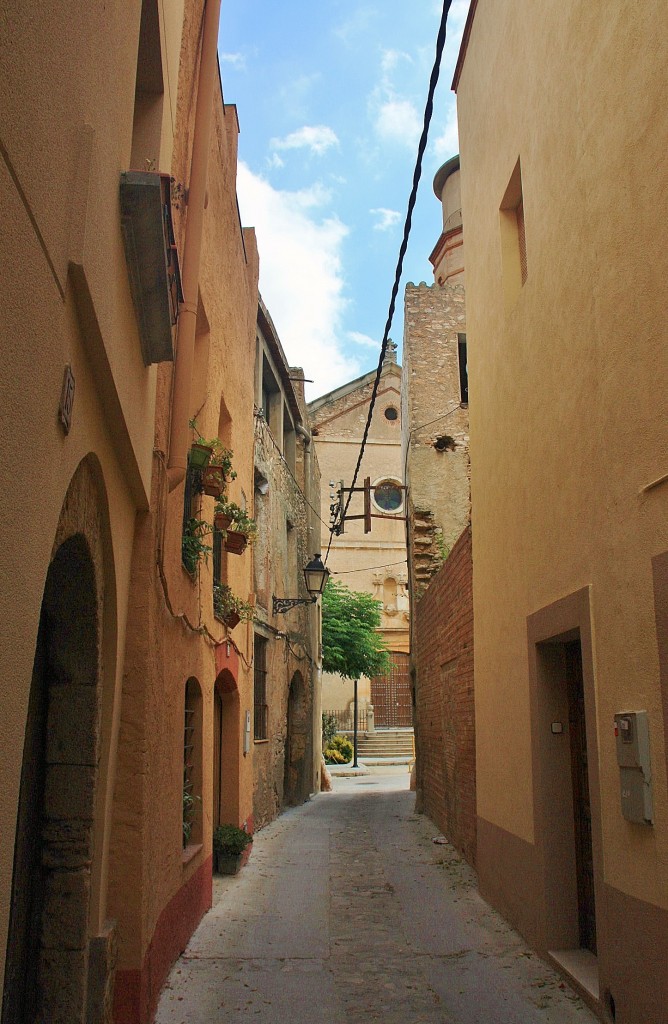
316 575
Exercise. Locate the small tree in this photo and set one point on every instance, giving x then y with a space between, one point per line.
351 643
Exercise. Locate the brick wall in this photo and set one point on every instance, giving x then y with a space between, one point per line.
445 723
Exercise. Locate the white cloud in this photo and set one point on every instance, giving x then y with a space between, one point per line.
391 58
237 60
387 218
363 339
318 138
301 275
274 161
395 118
398 121
296 96
357 26
446 144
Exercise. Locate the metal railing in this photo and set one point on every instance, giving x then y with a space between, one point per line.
344 719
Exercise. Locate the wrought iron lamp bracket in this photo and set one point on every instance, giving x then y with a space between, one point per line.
280 605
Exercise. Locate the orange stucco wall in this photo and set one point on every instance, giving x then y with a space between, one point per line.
66 300
173 633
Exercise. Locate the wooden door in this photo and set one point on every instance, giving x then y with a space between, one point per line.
217 757
584 856
391 695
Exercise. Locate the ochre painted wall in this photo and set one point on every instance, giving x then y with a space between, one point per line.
569 396
158 889
364 561
66 300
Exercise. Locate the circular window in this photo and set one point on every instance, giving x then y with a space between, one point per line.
388 495
391 413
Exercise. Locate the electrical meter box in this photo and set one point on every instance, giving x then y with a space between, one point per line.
635 775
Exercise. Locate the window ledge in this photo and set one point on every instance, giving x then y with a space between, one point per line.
190 852
260 741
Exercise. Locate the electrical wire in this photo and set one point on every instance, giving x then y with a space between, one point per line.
429 109
370 568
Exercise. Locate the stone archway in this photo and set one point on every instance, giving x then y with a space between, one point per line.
296 776
55 971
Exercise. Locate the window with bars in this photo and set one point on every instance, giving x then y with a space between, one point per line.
260 709
192 492
218 556
191 763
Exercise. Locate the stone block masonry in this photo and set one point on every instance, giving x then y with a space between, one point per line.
445 727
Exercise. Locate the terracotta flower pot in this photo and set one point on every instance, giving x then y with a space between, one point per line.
222 522
231 620
235 542
213 481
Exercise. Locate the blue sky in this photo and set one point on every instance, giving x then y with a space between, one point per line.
330 99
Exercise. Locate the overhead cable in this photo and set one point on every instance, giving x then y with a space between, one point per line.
422 145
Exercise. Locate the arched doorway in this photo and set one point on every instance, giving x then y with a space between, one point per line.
296 775
48 944
227 730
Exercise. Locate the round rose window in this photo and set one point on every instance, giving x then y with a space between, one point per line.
388 495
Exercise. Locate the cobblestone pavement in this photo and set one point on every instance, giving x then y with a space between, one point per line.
348 912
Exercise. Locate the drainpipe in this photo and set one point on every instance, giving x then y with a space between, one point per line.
185 341
303 433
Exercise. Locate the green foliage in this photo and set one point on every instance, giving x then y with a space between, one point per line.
339 751
189 811
241 521
231 840
225 603
193 543
443 548
221 457
351 643
328 728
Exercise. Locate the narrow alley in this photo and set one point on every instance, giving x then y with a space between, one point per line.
348 911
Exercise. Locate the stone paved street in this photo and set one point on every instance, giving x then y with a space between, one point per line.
348 912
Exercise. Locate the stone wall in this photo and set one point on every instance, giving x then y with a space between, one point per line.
280 553
445 726
435 427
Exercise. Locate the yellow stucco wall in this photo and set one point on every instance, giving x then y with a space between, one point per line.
568 381
364 561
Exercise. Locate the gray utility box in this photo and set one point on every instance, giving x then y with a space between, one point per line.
635 774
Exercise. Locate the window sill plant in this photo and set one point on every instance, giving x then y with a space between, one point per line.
228 608
216 466
229 846
193 544
236 525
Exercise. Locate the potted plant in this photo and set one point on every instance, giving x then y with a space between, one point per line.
228 608
200 453
229 846
193 543
219 469
213 453
236 525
